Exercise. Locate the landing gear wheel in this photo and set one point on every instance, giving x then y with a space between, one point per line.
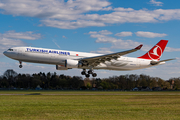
90 72
87 75
94 74
20 66
83 73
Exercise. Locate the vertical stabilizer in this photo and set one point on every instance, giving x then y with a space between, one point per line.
155 52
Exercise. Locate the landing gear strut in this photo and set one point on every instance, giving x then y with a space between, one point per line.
88 73
20 66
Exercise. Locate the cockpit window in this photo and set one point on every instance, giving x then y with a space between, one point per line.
10 49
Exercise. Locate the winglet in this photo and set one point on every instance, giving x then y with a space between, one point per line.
139 47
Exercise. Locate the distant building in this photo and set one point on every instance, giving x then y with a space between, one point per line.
141 89
145 89
136 89
156 89
38 88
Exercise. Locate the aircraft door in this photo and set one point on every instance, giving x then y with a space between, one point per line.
20 53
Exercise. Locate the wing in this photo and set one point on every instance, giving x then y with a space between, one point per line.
94 61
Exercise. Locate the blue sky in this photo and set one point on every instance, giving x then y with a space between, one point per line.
99 26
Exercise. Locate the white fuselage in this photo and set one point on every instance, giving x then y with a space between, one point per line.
58 57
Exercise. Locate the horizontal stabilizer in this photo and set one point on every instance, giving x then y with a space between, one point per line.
157 62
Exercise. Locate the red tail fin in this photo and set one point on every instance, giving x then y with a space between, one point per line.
155 52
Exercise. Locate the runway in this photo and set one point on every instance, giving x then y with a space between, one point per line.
95 94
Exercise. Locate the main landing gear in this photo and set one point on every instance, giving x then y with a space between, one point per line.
20 66
88 73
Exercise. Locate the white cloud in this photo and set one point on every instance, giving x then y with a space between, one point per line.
105 32
107 8
21 35
69 24
106 39
169 49
6 43
11 39
103 37
64 37
150 34
116 43
136 16
77 13
103 51
168 14
10 42
123 9
52 8
55 13
124 34
92 32
155 3
124 44
101 33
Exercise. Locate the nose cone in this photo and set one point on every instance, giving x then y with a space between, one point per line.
5 53
10 54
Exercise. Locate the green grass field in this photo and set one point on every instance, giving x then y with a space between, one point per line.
77 105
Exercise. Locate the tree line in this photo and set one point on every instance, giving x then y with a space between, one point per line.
12 80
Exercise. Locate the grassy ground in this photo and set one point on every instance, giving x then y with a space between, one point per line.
75 105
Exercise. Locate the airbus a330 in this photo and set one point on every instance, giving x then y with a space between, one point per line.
65 60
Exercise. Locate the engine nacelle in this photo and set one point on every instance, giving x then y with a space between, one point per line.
61 67
69 63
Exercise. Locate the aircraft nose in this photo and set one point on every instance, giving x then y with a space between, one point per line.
10 54
5 53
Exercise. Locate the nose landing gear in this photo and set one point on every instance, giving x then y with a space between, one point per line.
88 73
20 66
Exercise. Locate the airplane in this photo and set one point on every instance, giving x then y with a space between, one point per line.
65 60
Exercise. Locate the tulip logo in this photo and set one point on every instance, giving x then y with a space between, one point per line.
155 53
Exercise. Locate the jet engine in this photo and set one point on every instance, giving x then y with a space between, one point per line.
61 67
69 63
